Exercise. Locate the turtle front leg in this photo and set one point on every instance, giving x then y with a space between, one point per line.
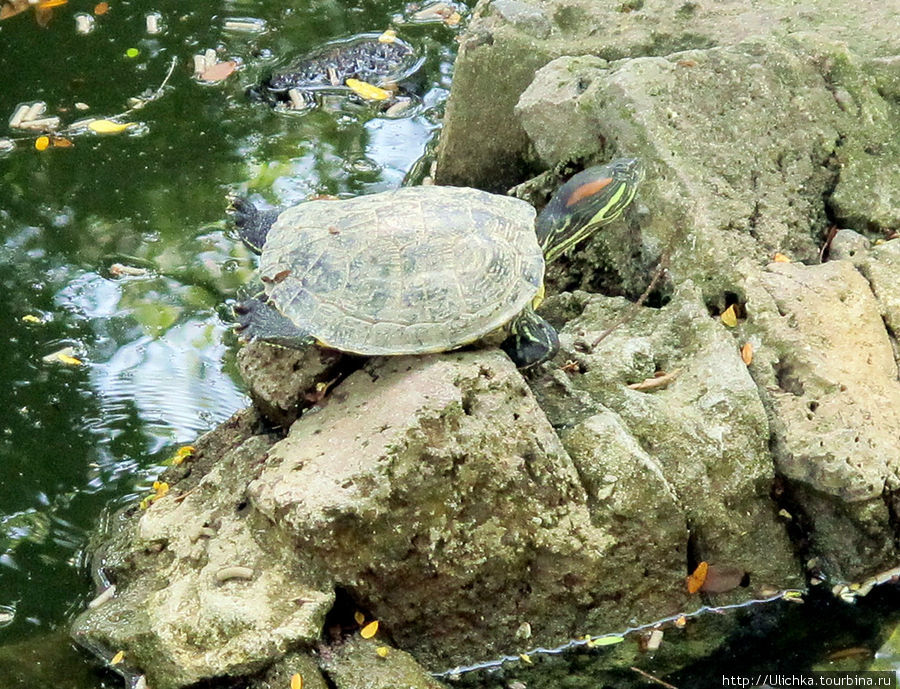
259 320
531 340
253 224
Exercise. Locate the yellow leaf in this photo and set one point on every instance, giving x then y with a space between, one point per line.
42 143
117 658
359 617
367 90
729 317
28 318
608 640
69 360
369 630
388 36
781 258
109 127
747 353
525 658
296 681
697 577
182 454
383 651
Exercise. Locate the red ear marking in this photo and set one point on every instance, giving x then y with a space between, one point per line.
588 189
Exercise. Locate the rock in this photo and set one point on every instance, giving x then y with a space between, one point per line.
692 117
827 365
204 587
356 664
699 445
483 144
282 381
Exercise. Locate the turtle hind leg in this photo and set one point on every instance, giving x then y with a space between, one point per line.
531 339
253 224
258 320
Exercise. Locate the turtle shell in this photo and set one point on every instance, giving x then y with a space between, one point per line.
419 269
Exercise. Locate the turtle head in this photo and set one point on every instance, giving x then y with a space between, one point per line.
587 202
531 339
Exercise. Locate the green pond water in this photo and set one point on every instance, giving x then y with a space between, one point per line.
78 441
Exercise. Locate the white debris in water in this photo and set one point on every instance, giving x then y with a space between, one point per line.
245 24
84 23
152 20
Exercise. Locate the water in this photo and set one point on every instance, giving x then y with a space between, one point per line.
78 441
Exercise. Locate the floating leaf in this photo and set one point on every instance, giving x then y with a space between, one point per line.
61 142
729 317
696 579
359 617
42 143
747 353
388 36
218 71
63 356
681 622
28 318
367 90
296 681
12 7
109 127
101 8
525 658
117 658
369 630
608 640
383 651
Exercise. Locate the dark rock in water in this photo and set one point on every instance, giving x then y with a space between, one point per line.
361 57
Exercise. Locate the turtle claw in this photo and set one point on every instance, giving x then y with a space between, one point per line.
258 320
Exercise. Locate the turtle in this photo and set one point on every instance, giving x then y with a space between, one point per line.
420 269
377 58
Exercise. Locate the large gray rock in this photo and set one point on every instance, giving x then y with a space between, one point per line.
826 364
742 145
699 444
483 144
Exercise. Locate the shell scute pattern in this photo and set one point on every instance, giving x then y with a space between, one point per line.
409 271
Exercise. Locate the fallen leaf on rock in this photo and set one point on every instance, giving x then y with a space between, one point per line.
747 353
695 580
296 681
369 630
219 71
367 90
383 651
729 317
359 617
659 380
781 258
722 578
117 658
388 36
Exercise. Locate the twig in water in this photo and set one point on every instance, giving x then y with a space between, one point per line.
652 678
